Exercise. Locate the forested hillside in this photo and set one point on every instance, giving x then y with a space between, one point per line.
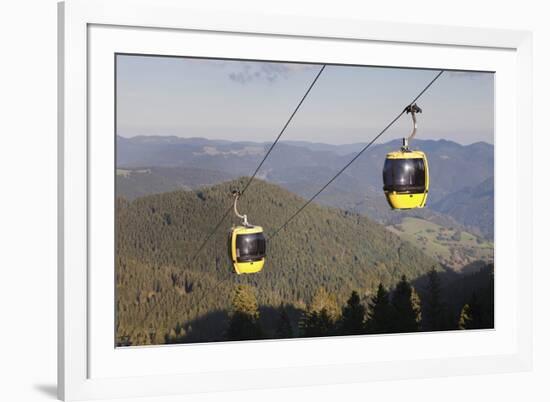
322 248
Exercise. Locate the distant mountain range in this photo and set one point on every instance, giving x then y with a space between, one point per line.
461 194
134 183
472 206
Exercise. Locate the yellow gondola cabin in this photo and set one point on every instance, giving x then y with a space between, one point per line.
247 244
247 248
405 175
406 179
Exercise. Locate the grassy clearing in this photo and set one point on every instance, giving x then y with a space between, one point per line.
451 247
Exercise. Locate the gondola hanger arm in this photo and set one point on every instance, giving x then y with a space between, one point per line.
236 195
413 109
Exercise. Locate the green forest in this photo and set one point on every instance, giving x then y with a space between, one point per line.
329 272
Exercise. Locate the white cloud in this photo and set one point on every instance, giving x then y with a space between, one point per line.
244 72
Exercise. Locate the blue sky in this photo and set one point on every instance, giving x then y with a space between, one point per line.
236 100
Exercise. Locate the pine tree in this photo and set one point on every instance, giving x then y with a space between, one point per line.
380 313
433 318
244 301
353 316
477 311
465 319
244 319
308 323
321 315
417 306
323 300
317 323
406 304
284 328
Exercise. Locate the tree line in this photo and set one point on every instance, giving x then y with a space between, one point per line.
400 310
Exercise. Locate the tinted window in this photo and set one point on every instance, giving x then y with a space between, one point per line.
250 247
404 175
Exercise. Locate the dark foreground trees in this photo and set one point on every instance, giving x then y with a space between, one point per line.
244 319
399 310
478 311
284 326
406 307
380 313
321 316
386 312
353 316
433 310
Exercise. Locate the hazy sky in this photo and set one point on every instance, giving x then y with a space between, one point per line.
237 100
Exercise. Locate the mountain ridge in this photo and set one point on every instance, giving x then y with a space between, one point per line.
304 167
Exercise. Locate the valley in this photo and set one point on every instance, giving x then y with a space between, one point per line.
452 247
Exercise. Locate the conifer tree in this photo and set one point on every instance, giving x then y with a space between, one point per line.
244 319
465 317
284 328
353 316
405 302
317 323
323 300
417 306
308 323
321 314
477 311
380 313
433 317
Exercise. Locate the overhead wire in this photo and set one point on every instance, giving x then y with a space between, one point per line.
214 230
354 158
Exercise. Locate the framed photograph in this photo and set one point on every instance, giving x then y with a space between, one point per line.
253 201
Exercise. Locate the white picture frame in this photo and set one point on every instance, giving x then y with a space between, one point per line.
90 32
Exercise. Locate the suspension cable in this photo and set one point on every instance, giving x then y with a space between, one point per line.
355 157
215 229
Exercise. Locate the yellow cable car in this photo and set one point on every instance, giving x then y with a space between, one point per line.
247 245
406 177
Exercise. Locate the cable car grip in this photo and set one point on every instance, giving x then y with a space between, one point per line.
236 194
413 109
